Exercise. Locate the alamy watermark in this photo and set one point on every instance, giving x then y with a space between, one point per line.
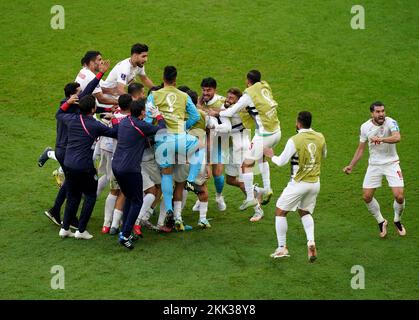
58 278
58 18
358 20
358 280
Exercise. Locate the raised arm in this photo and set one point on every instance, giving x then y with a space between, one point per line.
95 82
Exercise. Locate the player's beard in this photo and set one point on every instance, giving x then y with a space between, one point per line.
380 121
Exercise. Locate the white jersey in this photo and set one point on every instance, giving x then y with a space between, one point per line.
84 77
382 153
123 72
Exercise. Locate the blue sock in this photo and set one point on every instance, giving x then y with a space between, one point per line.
196 166
219 183
167 189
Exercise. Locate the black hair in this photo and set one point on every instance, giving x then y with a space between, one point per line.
376 104
70 89
236 91
304 117
86 104
124 101
184 88
209 83
89 56
135 87
193 95
139 48
137 107
170 74
155 88
254 76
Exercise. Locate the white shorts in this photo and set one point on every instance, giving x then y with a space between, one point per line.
375 173
238 149
151 174
181 172
255 152
233 170
299 195
105 164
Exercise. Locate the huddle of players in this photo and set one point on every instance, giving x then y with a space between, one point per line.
214 134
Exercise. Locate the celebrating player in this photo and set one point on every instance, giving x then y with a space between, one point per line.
211 100
305 150
174 104
258 100
381 133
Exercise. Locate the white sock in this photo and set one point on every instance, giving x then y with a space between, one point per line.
101 184
259 190
184 197
248 185
51 155
374 209
147 202
162 214
109 206
398 210
218 195
96 152
281 226
177 209
266 176
117 217
203 209
308 224
197 203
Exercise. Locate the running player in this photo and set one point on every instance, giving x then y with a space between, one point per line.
381 133
305 150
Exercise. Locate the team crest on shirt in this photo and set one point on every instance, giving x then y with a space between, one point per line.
123 76
82 75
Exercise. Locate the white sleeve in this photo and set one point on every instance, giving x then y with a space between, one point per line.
243 102
286 155
122 74
224 127
363 137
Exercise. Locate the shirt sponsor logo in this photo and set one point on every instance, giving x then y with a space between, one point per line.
82 75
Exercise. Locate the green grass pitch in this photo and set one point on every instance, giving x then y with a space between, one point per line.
313 60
